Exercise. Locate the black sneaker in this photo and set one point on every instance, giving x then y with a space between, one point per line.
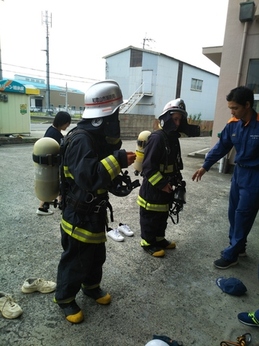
154 250
100 296
224 264
166 244
72 312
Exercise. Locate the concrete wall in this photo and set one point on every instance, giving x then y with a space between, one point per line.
132 125
241 43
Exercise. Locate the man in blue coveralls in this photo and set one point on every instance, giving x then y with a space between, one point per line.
242 133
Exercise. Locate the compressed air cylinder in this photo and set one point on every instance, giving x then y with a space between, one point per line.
140 147
46 169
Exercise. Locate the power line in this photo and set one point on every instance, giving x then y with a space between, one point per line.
56 78
81 79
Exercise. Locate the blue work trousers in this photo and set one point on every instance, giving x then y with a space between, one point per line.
243 208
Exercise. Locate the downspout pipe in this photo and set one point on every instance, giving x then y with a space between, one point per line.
242 53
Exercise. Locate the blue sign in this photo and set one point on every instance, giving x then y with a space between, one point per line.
8 85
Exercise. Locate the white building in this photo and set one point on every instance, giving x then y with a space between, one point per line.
150 79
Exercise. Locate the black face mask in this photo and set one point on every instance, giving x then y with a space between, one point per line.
167 123
111 125
170 127
108 127
188 129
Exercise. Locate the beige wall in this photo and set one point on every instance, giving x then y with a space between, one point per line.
131 125
15 114
241 43
73 99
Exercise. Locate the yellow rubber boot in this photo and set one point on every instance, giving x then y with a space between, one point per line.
100 296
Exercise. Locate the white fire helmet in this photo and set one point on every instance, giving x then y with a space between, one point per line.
156 342
175 106
102 99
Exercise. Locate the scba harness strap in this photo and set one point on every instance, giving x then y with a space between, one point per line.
93 206
179 195
93 203
50 159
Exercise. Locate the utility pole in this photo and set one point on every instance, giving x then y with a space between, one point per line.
47 20
66 98
1 71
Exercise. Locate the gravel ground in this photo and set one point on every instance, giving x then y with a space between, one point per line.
174 296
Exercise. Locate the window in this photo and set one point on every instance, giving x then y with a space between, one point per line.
196 84
253 80
135 58
256 103
253 75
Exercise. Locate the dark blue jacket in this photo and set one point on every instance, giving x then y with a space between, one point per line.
243 137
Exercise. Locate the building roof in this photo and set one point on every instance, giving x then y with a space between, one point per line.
154 53
213 53
43 86
12 86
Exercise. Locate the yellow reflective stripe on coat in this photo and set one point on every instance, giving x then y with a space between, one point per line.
155 178
82 234
67 174
152 207
169 169
111 165
101 191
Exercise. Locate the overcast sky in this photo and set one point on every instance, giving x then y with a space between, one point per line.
84 31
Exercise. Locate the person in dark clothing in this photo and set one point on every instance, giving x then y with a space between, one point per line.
242 133
92 161
161 171
60 123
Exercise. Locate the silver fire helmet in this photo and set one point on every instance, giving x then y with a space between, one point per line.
102 99
175 106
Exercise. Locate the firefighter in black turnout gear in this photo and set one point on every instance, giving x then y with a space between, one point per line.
162 178
92 159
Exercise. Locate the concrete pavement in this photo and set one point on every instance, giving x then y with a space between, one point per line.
175 296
